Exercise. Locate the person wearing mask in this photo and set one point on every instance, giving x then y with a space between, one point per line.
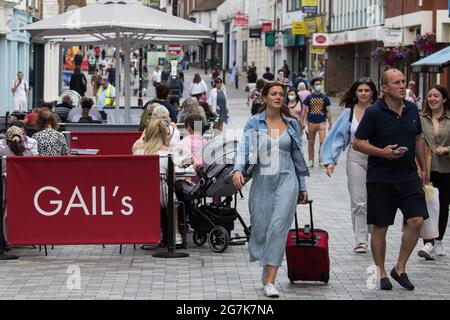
50 142
219 102
278 182
356 100
20 90
198 87
390 132
78 82
435 120
295 105
317 112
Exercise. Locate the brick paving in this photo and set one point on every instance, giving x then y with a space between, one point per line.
105 274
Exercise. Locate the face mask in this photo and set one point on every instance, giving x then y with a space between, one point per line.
318 88
291 98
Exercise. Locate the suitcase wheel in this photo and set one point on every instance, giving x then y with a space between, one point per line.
325 277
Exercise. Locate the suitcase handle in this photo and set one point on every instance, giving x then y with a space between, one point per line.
311 241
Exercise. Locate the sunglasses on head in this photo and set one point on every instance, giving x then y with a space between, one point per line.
365 80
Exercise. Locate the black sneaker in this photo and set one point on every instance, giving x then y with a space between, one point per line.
8 257
402 280
385 284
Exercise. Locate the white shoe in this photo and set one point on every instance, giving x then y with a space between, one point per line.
270 291
321 165
178 239
438 249
427 252
310 164
361 248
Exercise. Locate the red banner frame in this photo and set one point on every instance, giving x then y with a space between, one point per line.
108 143
83 200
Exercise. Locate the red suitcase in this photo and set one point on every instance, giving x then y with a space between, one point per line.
307 253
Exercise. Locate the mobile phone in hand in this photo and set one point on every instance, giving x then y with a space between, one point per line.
402 149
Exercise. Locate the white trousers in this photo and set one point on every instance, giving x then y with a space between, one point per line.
20 105
356 181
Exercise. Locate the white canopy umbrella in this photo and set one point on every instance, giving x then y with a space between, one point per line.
122 23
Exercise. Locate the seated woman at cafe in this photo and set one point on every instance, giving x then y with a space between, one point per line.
157 141
157 110
191 106
50 142
17 144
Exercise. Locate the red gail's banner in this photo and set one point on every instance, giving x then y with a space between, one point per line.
83 200
108 143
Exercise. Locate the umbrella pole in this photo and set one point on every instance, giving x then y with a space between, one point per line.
127 72
117 108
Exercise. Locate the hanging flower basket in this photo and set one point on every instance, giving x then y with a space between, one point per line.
392 56
426 43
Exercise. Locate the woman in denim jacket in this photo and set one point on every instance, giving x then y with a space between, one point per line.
272 146
356 100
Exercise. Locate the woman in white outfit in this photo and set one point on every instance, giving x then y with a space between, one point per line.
356 100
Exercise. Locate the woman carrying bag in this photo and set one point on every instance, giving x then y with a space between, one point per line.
435 120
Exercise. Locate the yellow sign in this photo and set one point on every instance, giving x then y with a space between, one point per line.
313 25
309 3
298 27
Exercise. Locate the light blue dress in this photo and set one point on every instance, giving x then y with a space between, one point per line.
272 200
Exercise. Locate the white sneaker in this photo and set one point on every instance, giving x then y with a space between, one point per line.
310 164
321 165
178 239
427 252
438 249
270 291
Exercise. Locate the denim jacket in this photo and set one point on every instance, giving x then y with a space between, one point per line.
247 152
337 139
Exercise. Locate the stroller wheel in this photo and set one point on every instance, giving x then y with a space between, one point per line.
218 239
199 238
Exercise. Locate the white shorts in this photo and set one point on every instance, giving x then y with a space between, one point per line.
20 105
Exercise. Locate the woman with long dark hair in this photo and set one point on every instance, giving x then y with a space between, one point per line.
198 87
356 100
435 120
278 180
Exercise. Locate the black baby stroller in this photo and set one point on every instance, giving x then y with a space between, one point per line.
214 222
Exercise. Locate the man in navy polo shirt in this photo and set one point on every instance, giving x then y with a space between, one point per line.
391 134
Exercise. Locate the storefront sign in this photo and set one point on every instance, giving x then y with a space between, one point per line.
255 33
393 35
153 3
321 40
428 69
270 39
298 27
266 27
241 19
309 6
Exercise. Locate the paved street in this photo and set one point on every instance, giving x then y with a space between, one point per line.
105 274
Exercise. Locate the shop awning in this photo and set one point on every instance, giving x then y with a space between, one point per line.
434 63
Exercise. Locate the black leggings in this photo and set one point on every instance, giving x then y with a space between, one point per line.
442 182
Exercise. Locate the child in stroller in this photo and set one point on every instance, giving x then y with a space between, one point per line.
214 222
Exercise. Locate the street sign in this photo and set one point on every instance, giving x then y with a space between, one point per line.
255 33
270 39
241 19
298 27
267 27
321 40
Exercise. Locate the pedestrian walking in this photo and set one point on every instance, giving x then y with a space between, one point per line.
269 76
390 132
106 97
252 76
234 75
20 90
303 92
78 82
218 102
435 120
156 77
356 100
198 87
255 97
317 112
278 181
285 68
295 105
145 80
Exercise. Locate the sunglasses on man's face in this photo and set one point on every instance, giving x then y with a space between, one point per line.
218 81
